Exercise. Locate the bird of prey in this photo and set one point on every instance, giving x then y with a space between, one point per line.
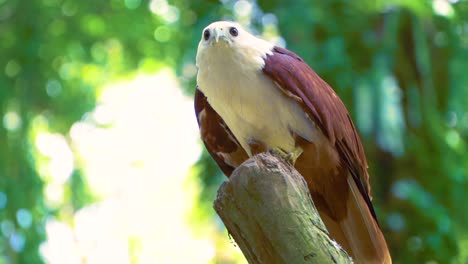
253 96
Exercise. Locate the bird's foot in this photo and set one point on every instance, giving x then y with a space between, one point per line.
290 157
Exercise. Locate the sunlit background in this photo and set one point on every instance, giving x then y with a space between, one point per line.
100 158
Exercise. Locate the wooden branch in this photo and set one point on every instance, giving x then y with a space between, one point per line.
267 209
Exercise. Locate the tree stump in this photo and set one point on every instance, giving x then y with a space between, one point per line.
267 208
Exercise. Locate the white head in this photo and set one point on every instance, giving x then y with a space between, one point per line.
225 39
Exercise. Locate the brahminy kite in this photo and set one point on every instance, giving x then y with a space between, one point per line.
253 96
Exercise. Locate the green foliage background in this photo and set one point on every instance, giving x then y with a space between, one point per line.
399 66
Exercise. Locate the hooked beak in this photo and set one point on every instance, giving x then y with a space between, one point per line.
219 33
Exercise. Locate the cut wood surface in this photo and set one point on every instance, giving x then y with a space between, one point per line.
267 209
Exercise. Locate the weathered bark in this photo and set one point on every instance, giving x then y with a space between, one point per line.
267 209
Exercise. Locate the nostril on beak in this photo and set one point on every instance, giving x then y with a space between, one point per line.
217 35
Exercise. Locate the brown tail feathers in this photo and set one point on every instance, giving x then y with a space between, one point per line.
356 230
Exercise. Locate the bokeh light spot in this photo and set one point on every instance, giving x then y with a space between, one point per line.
66 71
61 246
17 242
442 7
53 88
243 8
162 34
401 189
159 7
452 138
61 162
172 14
24 218
12 68
53 195
414 243
69 8
12 121
269 20
8 227
94 25
132 4
396 222
98 51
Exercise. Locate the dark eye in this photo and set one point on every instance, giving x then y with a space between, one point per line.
206 34
233 31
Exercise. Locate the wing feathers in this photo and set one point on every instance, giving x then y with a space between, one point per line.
218 138
324 107
344 200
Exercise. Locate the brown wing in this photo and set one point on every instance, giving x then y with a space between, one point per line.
217 137
325 108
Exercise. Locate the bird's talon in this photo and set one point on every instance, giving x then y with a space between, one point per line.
280 152
293 156
290 157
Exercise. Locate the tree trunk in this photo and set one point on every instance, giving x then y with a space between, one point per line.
267 209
